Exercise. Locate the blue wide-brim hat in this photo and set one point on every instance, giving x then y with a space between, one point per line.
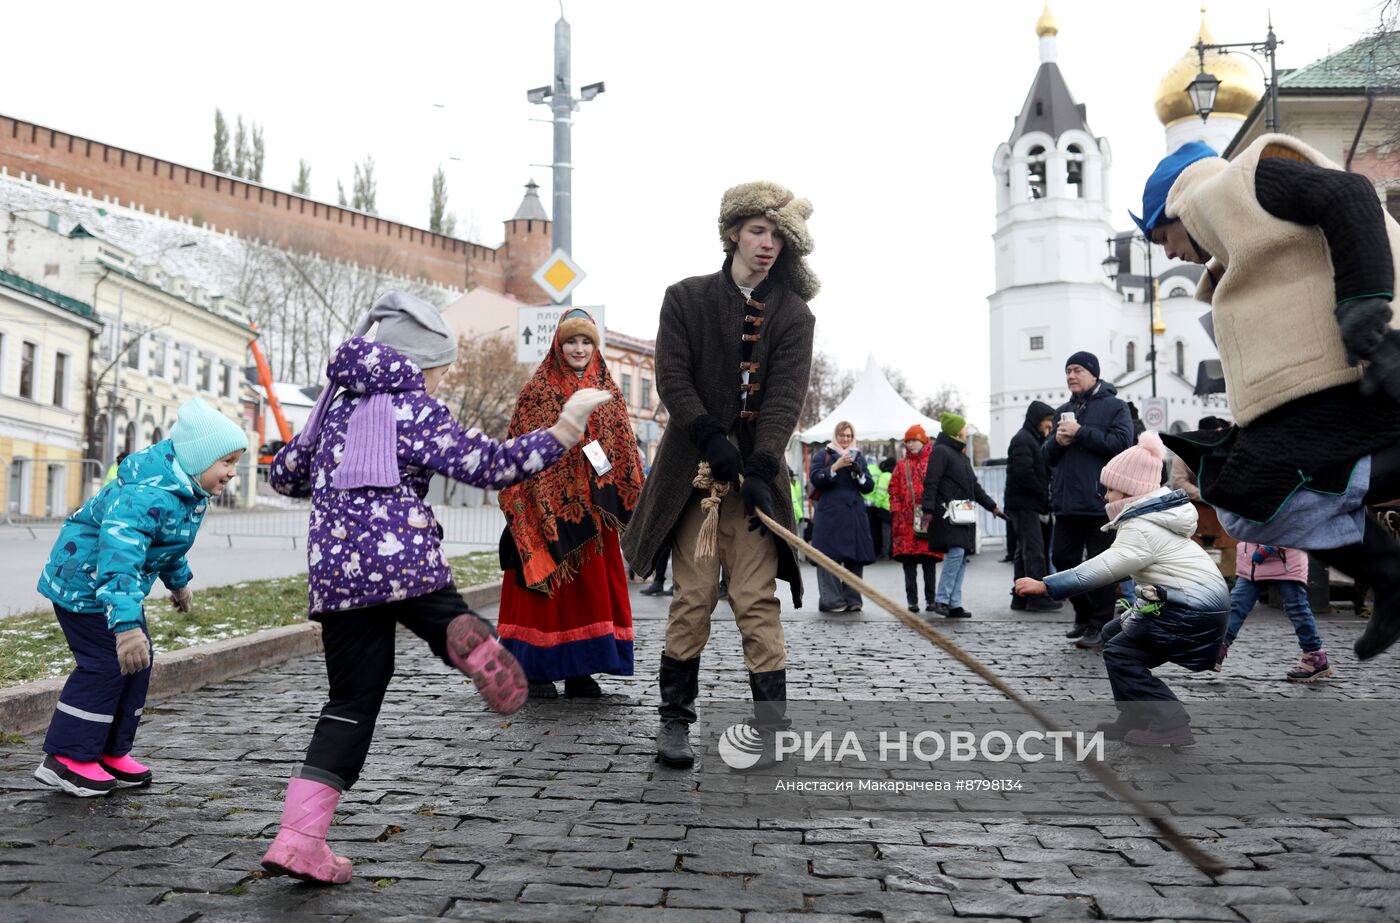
1154 194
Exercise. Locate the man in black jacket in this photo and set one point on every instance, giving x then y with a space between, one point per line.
1028 501
1100 428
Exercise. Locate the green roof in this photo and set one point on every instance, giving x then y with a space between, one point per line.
1372 62
46 294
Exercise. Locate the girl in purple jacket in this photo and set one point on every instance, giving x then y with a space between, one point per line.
1255 567
365 457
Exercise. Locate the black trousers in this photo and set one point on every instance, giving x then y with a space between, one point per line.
1187 637
359 647
1030 547
911 579
1077 538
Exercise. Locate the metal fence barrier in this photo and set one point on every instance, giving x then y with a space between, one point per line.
55 503
476 526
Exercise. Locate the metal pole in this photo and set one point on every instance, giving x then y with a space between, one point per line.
1270 46
562 102
1151 317
111 448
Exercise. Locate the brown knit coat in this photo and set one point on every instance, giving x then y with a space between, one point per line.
698 351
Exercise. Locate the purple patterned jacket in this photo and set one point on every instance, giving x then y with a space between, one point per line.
370 545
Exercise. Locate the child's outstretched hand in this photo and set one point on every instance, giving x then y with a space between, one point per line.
182 599
1029 586
573 419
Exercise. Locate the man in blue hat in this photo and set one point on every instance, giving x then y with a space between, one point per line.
1300 264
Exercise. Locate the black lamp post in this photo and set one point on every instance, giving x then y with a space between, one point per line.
1203 88
1111 266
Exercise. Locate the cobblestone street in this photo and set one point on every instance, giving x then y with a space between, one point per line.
560 814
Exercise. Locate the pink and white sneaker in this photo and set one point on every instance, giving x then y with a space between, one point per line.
127 772
83 780
473 648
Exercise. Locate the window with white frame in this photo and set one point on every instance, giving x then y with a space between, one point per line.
1181 358
132 358
627 388
1037 343
226 380
1132 357
206 373
186 369
160 357
646 393
60 379
28 368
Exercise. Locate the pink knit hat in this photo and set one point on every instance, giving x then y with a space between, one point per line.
1137 470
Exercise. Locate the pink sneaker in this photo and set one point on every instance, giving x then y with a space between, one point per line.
300 849
84 780
127 772
473 649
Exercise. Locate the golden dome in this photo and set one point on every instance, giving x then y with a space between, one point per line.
1047 24
1241 84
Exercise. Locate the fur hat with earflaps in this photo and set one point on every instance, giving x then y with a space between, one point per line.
790 214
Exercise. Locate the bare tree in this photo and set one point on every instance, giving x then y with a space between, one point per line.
946 399
303 184
221 161
255 161
482 386
900 382
364 190
828 386
241 152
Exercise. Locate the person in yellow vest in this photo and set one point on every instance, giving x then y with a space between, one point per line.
1300 273
111 474
877 506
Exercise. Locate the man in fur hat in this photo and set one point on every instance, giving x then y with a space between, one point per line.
733 357
1300 264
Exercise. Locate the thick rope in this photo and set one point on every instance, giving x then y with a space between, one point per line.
707 542
1193 853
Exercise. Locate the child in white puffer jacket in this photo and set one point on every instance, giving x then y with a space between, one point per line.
1182 601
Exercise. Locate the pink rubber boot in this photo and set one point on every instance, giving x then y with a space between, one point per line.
473 649
300 849
127 772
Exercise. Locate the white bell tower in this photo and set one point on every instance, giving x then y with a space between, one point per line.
1051 297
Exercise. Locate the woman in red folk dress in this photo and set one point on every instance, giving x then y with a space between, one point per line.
906 493
565 613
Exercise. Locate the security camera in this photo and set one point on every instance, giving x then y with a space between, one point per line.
538 94
592 90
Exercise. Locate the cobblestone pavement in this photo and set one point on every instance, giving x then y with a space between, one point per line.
560 814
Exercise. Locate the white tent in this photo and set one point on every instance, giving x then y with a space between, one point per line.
874 408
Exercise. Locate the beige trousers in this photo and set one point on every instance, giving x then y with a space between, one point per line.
751 562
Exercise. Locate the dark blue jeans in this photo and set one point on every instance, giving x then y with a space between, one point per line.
1295 602
1139 642
99 708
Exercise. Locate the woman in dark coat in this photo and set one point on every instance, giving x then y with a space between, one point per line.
840 527
950 477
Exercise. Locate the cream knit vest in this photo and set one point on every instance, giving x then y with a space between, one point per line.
1272 308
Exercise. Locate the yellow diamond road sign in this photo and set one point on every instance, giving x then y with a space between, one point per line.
559 275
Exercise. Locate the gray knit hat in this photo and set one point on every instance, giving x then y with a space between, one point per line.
413 327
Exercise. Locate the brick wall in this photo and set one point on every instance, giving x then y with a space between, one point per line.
254 211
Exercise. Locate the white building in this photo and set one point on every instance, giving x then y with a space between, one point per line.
1052 298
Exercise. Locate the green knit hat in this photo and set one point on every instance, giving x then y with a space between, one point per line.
202 436
952 424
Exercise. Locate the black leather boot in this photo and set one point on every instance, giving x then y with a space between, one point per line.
680 684
769 713
1375 561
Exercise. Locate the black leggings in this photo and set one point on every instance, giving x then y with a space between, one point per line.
359 647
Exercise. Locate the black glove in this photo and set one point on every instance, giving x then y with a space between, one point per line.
1382 375
723 457
756 495
1364 323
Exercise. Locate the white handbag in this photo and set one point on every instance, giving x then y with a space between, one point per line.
960 512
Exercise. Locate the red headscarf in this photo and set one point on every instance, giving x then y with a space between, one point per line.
556 515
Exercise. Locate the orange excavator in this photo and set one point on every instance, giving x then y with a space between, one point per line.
284 428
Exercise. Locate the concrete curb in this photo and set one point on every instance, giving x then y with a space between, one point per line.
26 709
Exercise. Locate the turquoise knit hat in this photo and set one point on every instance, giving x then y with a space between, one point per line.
202 436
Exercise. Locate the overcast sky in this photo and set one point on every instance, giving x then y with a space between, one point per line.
884 114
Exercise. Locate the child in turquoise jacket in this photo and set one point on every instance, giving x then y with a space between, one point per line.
105 561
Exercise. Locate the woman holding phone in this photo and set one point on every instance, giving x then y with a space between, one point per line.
840 528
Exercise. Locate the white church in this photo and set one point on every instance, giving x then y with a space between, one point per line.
1055 234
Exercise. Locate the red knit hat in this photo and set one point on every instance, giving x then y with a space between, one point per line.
916 432
1137 470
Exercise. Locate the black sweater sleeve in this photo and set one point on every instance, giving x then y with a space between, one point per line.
1345 207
